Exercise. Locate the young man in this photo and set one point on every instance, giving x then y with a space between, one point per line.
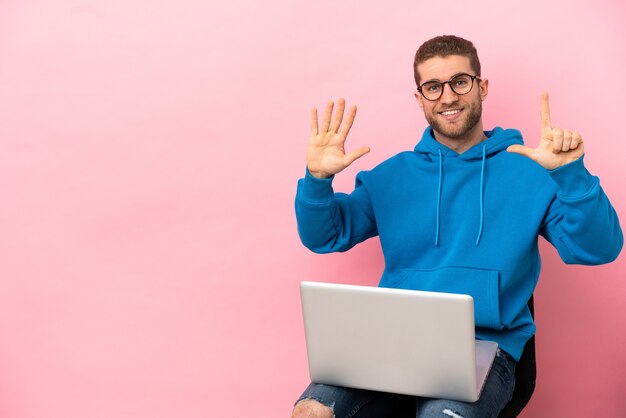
464 203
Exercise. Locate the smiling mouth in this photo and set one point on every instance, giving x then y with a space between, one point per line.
451 115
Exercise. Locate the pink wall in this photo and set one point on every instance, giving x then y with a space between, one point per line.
148 162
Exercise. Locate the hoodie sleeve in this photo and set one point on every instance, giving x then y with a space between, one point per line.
580 222
328 221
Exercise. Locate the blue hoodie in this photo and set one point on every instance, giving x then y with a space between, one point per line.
466 223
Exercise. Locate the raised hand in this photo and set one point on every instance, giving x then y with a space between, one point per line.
557 147
326 155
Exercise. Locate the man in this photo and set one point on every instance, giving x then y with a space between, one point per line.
466 202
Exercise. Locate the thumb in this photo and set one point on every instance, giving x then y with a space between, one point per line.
521 149
356 154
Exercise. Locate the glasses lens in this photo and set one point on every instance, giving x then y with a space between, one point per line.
432 90
461 84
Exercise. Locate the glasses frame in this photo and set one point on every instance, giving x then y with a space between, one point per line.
449 83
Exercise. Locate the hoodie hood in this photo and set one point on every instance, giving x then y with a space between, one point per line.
497 140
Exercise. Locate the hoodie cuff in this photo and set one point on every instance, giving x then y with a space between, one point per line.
573 179
315 190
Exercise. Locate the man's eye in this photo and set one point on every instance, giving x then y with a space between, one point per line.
433 87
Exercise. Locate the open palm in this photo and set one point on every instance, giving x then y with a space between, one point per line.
326 153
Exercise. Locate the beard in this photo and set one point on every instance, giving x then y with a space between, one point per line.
459 129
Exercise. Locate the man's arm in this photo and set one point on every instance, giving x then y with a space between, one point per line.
329 221
580 222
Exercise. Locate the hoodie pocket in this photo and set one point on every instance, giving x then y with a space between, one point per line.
482 285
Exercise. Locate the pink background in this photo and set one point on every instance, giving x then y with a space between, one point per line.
148 164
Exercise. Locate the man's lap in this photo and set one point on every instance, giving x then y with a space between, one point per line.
358 403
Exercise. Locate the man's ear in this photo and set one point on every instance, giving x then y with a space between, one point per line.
484 89
419 98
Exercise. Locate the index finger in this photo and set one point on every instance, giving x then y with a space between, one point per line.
545 110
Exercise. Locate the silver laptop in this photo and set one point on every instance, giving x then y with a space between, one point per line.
394 340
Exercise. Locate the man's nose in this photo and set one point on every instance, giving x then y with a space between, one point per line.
448 95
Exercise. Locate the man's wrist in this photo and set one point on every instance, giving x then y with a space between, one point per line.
319 174
573 179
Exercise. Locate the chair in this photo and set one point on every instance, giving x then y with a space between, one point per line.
525 377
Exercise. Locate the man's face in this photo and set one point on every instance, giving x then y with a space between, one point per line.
452 116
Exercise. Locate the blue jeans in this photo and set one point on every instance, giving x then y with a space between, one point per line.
358 403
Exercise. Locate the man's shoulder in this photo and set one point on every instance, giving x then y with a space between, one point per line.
518 169
515 161
388 169
396 160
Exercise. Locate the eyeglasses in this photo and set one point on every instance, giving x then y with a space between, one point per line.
460 84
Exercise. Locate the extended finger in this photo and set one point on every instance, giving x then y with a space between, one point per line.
521 150
341 106
327 115
347 124
557 140
567 141
545 110
357 153
314 127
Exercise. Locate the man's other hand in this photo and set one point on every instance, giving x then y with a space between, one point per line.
326 155
557 147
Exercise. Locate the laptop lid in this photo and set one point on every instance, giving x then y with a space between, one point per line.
394 340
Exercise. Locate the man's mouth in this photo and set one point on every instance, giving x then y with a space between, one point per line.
450 113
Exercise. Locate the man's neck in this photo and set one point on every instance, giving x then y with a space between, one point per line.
463 143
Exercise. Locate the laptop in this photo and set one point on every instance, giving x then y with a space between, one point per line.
394 340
